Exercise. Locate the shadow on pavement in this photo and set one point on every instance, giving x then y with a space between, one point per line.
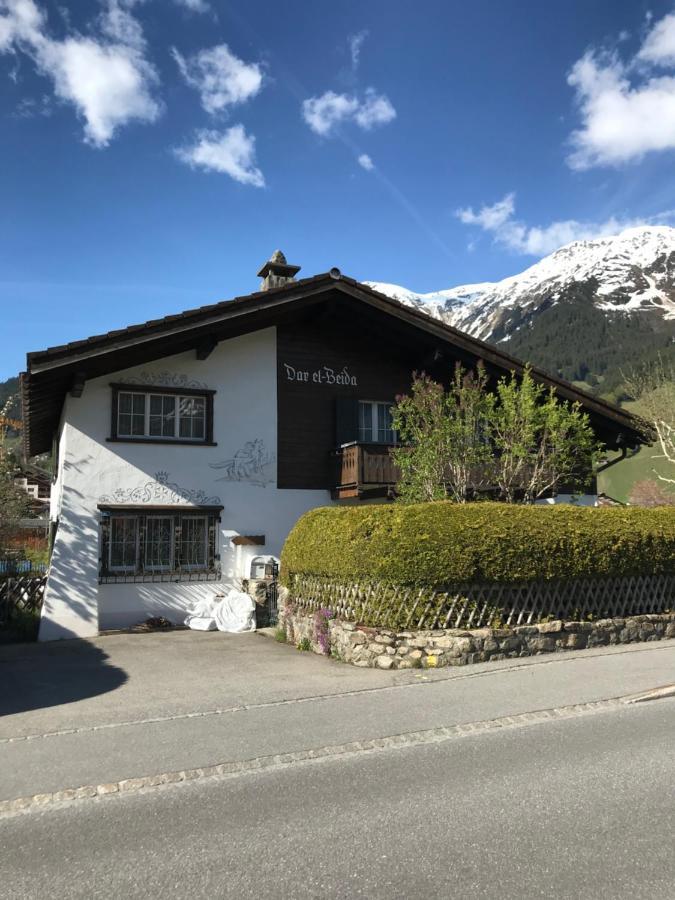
35 676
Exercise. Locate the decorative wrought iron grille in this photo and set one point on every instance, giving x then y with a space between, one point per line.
158 546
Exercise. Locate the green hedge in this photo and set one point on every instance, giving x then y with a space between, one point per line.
444 543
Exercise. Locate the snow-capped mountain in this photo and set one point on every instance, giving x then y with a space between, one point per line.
632 272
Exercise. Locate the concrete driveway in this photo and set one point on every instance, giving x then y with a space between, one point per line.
127 677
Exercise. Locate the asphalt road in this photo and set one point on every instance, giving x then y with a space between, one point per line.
186 702
562 809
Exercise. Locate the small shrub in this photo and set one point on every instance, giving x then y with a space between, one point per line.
280 635
304 644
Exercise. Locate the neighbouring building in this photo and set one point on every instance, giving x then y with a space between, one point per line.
187 447
34 527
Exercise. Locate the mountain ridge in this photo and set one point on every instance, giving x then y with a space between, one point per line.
622 287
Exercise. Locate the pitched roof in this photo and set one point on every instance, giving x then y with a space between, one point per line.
51 372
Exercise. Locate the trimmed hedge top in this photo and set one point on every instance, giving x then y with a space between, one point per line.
443 543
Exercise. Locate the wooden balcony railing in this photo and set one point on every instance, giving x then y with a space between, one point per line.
364 470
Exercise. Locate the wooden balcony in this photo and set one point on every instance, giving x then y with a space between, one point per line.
363 471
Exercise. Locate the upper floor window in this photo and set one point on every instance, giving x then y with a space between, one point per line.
162 415
375 423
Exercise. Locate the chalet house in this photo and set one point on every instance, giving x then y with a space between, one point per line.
187 447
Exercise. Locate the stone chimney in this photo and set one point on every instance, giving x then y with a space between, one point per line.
276 272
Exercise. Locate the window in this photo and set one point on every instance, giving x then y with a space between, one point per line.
193 549
167 415
123 545
158 545
375 424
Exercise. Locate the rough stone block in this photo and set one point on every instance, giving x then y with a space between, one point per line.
501 633
383 639
444 642
598 638
572 641
110 788
384 662
511 643
541 644
550 627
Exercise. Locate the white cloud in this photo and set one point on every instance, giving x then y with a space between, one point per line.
324 113
627 109
376 109
490 218
659 45
120 26
222 79
366 162
499 220
355 44
231 152
197 6
108 80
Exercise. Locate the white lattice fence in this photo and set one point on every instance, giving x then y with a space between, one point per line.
477 605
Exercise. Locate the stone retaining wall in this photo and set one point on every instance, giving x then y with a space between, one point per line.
386 649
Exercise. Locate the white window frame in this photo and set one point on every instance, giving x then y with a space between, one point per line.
176 436
375 406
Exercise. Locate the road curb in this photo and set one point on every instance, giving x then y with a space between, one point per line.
284 760
660 693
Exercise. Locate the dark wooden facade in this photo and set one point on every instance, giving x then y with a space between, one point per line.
325 365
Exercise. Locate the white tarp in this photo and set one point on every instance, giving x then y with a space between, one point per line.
234 613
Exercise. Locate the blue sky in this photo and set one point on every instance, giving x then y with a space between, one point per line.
153 153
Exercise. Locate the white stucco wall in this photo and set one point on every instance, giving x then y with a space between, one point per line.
243 373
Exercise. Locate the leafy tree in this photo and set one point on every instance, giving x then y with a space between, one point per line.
445 449
540 443
422 424
519 440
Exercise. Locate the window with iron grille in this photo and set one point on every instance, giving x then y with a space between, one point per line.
167 415
159 545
